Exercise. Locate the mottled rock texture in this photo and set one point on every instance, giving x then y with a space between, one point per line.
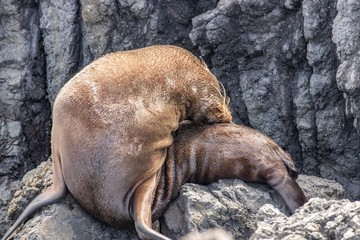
232 205
291 69
319 219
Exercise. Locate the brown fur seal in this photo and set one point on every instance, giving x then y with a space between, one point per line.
112 125
204 154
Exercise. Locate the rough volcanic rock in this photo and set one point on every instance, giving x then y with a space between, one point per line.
318 219
33 182
7 189
210 234
24 107
346 36
337 142
66 220
233 205
61 35
228 204
291 69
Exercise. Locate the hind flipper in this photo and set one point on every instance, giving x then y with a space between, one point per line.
141 210
56 191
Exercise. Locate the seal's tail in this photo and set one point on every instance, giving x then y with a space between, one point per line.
51 195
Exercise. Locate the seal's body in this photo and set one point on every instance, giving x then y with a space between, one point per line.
205 154
112 125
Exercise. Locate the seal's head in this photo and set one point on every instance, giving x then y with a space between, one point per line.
214 114
215 108
208 101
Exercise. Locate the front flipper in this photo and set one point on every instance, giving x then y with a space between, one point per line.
290 191
141 210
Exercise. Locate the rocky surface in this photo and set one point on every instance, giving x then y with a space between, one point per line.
24 108
232 205
291 69
319 219
346 37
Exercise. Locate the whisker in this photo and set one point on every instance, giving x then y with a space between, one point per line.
224 91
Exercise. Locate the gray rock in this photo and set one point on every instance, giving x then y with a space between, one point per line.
346 37
66 220
33 182
228 204
60 31
233 205
318 219
315 187
7 189
336 139
24 107
211 234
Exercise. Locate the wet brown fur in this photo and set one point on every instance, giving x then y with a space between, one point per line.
204 154
113 122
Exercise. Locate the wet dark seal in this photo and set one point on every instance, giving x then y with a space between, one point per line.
112 125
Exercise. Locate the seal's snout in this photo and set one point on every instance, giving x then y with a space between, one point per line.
219 115
223 114
227 116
